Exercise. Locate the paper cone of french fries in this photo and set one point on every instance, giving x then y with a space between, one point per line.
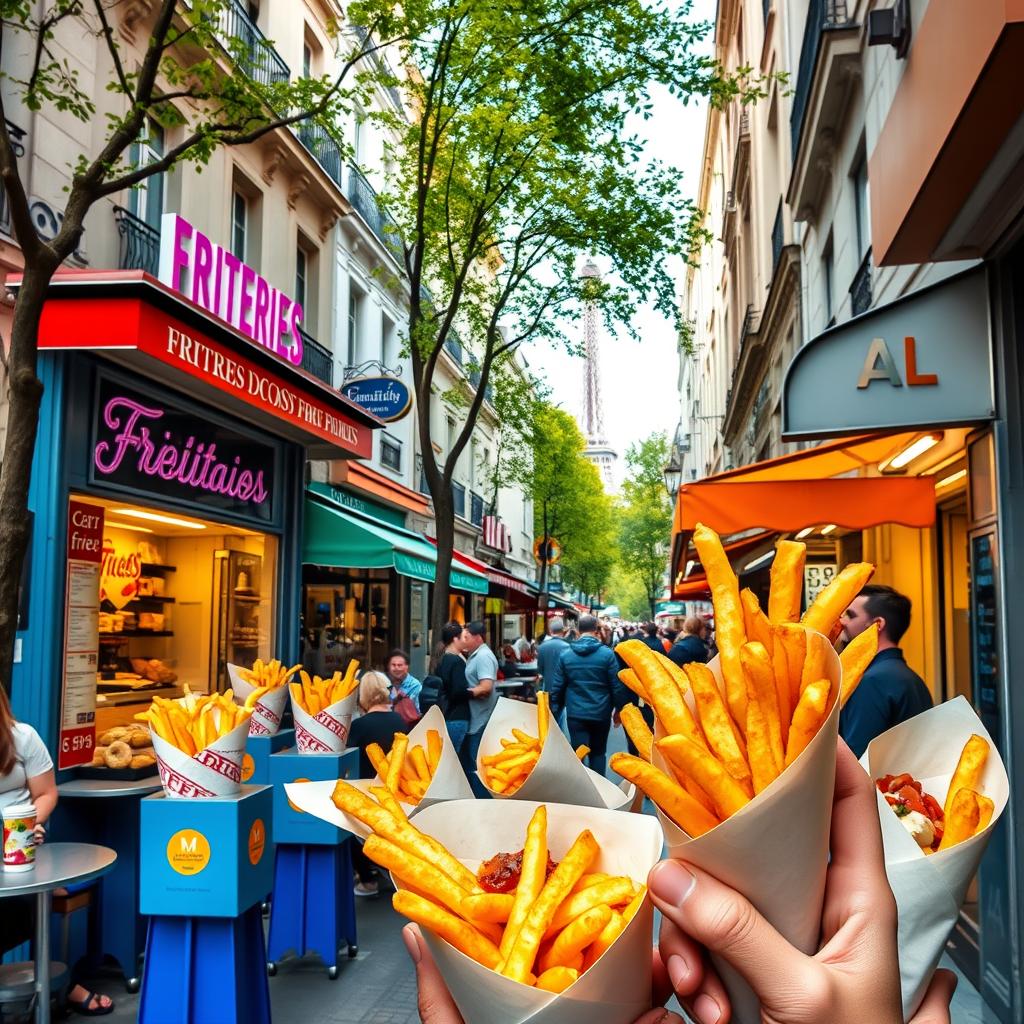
929 888
559 774
774 850
267 711
617 988
327 732
449 782
215 770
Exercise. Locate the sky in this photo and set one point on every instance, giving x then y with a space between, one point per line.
639 380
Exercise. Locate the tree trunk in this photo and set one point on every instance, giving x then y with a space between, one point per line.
25 393
444 525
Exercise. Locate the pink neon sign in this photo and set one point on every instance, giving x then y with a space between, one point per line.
217 280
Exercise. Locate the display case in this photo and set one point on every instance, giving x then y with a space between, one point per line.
239 577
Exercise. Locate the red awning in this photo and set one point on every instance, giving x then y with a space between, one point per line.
130 318
496 576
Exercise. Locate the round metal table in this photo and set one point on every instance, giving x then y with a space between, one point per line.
57 864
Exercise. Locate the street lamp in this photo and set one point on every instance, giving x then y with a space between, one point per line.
673 473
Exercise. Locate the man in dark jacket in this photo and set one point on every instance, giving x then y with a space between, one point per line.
689 645
890 691
649 635
584 683
550 651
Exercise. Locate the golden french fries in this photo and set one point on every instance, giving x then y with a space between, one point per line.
314 694
544 927
968 769
726 739
265 676
194 721
407 771
856 657
507 770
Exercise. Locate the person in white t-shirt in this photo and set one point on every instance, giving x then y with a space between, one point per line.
26 776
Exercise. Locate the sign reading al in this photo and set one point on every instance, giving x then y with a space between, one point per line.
386 397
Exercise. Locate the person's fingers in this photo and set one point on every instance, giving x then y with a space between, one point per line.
660 1016
726 923
435 1002
693 979
934 1008
856 884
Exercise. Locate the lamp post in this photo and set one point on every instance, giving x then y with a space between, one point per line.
673 474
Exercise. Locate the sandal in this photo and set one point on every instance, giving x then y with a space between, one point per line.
99 1010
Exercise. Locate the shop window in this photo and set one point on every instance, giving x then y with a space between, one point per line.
391 452
239 225
349 614
146 200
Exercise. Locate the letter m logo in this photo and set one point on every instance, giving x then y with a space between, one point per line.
188 845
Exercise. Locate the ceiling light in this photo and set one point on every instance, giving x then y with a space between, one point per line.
806 531
912 451
689 568
826 530
128 526
137 513
951 479
767 556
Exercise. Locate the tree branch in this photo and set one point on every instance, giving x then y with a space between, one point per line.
112 48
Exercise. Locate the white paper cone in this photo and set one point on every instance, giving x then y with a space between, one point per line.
775 849
268 710
327 732
617 989
558 775
930 889
215 770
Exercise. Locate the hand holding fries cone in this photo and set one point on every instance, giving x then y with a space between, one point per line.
199 742
949 755
263 690
525 756
323 709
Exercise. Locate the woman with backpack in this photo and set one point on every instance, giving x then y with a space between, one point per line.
446 685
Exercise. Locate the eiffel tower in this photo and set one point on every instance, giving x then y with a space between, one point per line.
598 450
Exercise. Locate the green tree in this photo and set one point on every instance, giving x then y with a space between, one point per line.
646 516
626 591
211 87
516 165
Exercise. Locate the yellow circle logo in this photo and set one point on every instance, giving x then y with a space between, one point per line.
257 841
298 810
188 852
248 767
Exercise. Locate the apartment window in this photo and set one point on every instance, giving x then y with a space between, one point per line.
828 274
472 463
354 300
388 343
239 224
307 61
861 210
301 269
146 200
306 276
391 452
450 423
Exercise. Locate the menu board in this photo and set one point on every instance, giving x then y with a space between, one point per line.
81 634
984 624
817 576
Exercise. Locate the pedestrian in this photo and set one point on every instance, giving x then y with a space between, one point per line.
403 684
890 691
585 683
551 650
522 648
26 777
449 665
481 675
378 723
855 977
649 636
689 645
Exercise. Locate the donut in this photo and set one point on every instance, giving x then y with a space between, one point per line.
118 755
98 754
119 732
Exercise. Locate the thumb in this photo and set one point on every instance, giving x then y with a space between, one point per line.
435 1002
935 1006
727 924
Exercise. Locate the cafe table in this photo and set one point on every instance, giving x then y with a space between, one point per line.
57 864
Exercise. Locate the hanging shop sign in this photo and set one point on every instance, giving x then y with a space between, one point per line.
387 398
150 446
216 279
81 634
925 360
120 571
817 576
547 549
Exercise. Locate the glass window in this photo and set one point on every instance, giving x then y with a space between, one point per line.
307 61
146 200
300 276
391 452
861 209
239 224
353 323
828 272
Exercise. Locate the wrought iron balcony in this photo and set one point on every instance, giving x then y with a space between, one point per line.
139 247
477 509
316 359
822 15
459 499
324 147
474 380
364 199
778 239
249 47
860 290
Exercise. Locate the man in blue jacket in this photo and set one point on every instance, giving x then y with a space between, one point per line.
585 683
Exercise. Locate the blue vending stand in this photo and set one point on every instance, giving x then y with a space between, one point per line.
256 762
205 868
313 906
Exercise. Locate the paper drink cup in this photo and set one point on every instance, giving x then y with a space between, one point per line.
215 770
19 837
268 710
616 989
558 775
327 732
930 888
775 849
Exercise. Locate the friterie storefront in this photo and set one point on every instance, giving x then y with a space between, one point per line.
169 471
